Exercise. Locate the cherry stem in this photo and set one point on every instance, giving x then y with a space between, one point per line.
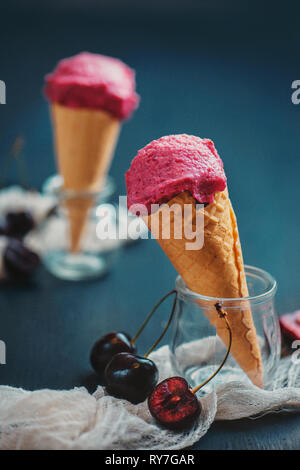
16 153
169 321
150 316
222 314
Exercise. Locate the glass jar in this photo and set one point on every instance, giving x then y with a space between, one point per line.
73 247
197 351
54 183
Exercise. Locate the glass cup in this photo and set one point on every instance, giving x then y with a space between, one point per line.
197 351
73 249
53 186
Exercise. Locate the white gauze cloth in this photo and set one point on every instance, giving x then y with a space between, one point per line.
74 419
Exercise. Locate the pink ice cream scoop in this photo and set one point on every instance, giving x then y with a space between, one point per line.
171 165
93 81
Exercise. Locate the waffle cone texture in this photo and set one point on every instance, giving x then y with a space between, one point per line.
215 270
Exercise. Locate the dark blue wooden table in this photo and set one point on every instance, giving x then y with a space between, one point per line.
217 72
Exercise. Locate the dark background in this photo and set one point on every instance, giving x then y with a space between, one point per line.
212 68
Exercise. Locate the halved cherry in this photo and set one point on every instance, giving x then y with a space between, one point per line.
174 404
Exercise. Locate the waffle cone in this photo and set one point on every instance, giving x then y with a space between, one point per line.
215 270
85 140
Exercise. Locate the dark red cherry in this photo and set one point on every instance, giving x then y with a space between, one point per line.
131 377
19 262
108 346
173 404
17 224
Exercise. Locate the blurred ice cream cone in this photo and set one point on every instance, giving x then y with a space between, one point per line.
85 140
90 95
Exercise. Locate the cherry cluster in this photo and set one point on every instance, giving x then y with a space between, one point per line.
172 402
